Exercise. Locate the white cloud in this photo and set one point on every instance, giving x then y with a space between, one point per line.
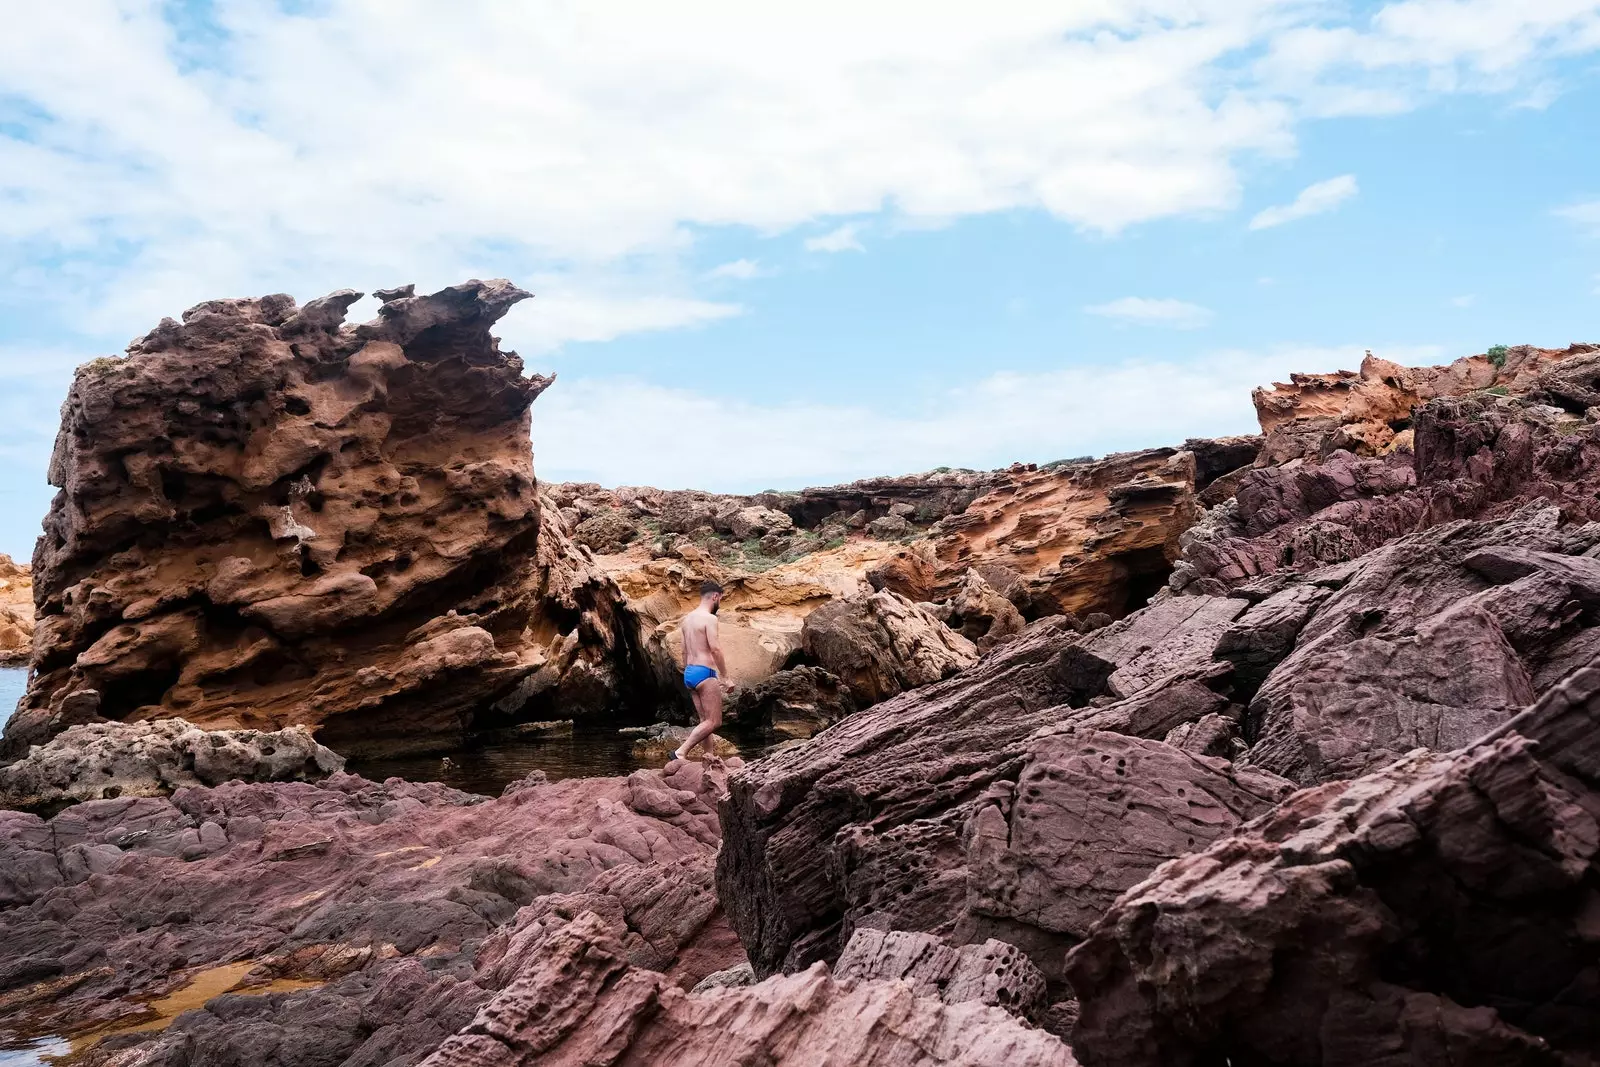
843 239
739 445
1586 214
739 269
553 318
357 143
1174 313
1463 301
1313 200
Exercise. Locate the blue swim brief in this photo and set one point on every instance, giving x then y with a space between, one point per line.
695 674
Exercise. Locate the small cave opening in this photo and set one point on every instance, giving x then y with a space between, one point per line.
1136 577
120 697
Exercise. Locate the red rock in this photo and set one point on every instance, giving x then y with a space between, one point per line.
580 1003
123 900
1439 911
898 817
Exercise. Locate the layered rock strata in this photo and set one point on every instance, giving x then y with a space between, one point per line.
577 1000
1438 911
269 517
367 922
1010 802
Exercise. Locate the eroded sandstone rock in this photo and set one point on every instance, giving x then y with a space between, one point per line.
1083 536
16 612
267 517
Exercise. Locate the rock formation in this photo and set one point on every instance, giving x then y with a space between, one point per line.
792 704
882 644
267 517
1082 537
577 1000
917 814
16 612
1438 911
104 761
372 901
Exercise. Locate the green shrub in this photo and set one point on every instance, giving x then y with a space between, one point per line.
1497 355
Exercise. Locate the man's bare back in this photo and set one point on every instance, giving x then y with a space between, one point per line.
699 638
704 670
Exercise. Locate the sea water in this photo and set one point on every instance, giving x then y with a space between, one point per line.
13 680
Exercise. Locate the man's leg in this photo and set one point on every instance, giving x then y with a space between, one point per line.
708 704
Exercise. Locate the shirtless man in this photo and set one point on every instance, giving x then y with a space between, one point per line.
705 672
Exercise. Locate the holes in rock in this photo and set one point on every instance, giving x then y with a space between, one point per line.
309 568
296 405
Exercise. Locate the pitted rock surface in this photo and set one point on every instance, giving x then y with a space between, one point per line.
267 517
109 760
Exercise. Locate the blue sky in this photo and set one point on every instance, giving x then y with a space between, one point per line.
777 245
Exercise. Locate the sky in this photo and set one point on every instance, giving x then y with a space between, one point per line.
784 244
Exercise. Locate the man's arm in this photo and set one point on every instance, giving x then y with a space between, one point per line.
716 650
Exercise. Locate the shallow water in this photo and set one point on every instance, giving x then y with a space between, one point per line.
32 1052
592 752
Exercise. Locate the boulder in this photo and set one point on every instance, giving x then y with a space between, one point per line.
994 973
606 532
753 522
983 616
794 703
1437 911
149 759
883 644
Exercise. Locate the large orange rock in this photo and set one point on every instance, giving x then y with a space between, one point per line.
16 612
269 517
1083 537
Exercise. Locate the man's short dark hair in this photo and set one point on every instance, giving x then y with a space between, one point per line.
709 587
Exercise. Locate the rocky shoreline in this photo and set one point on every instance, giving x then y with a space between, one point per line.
1274 749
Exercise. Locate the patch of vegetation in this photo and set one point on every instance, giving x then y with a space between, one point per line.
1498 390
100 363
1497 355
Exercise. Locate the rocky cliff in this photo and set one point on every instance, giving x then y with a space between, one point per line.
1274 750
268 517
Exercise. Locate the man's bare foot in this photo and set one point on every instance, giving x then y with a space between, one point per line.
676 756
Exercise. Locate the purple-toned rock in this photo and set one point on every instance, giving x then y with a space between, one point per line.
577 1001
1439 911
345 882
